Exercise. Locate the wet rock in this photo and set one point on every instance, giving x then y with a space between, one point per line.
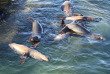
4 4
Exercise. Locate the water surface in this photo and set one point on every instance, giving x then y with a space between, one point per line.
74 56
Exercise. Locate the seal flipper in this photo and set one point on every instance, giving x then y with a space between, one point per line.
23 58
65 30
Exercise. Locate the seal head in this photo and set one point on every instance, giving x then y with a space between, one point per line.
35 39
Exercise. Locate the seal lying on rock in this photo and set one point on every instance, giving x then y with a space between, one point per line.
37 31
26 52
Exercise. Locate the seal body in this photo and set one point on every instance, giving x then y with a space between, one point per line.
37 29
83 18
37 55
19 49
78 29
62 36
25 52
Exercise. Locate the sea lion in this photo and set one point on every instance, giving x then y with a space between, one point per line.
37 31
76 30
26 52
79 30
80 18
67 8
83 18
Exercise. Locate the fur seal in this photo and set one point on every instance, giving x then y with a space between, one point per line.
26 52
37 31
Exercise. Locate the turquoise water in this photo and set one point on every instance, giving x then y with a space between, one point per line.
72 56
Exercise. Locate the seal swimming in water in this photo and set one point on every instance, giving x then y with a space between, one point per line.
81 31
26 52
67 8
78 30
78 18
37 31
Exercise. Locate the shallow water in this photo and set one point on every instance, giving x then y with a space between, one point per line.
72 56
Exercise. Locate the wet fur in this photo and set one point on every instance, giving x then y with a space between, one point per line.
25 52
37 31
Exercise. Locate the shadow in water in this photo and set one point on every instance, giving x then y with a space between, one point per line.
8 24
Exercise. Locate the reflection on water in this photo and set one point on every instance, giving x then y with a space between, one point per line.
74 56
